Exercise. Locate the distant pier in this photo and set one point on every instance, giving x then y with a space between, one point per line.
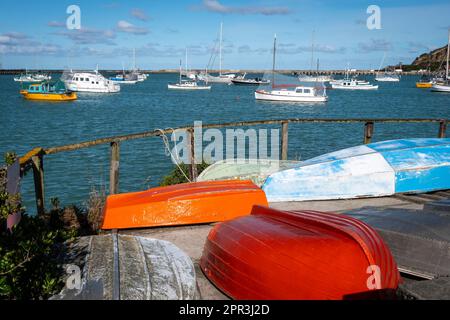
293 72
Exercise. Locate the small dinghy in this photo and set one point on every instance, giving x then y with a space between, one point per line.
121 267
273 254
373 170
183 204
256 170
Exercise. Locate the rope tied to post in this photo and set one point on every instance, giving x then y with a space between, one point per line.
169 152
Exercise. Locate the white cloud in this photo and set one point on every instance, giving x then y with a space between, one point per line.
139 14
216 6
89 36
125 26
374 45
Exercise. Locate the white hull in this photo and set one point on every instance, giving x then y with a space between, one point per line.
268 96
178 87
93 90
387 79
354 87
315 79
440 88
90 82
126 81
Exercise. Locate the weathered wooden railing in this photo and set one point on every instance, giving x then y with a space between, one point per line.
35 158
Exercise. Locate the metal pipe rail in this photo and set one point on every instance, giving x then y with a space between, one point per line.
35 158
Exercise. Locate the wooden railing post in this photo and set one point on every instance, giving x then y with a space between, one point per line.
442 128
284 140
38 175
114 168
192 166
368 132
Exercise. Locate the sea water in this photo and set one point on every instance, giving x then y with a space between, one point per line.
149 105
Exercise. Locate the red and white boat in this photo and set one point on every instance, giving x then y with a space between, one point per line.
273 254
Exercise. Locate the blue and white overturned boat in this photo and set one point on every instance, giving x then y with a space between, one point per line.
372 170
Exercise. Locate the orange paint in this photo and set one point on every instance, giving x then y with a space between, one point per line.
183 204
274 254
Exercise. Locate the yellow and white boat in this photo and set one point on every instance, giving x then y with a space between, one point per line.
47 92
423 85
424 82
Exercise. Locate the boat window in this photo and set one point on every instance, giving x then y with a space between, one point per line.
87 79
97 82
299 90
81 79
92 82
307 91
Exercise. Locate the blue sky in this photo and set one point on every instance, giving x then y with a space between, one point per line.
33 33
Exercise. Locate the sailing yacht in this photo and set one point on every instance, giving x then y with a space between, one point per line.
298 94
445 85
316 77
90 82
187 84
386 76
222 77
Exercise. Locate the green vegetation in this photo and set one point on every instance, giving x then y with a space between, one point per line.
178 175
29 267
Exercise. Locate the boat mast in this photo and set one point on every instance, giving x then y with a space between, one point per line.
134 59
312 52
448 52
186 62
273 64
180 72
220 49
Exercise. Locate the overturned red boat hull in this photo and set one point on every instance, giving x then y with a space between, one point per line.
182 204
275 254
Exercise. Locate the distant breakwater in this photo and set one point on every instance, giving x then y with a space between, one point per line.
293 72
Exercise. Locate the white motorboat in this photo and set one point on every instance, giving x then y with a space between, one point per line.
298 94
444 86
187 84
32 77
248 81
90 82
353 84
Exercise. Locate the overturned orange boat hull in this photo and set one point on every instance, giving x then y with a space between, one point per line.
273 254
183 204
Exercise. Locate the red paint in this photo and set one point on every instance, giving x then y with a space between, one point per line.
182 204
275 254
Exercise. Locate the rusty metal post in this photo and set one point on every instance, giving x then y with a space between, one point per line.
284 140
368 132
38 175
192 166
114 168
442 128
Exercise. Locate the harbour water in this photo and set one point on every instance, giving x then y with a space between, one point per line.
150 105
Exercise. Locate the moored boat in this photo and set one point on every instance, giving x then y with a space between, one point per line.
353 84
183 204
187 84
299 94
47 92
283 94
90 82
273 254
247 81
445 85
372 170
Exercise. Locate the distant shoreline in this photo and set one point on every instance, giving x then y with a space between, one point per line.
290 71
